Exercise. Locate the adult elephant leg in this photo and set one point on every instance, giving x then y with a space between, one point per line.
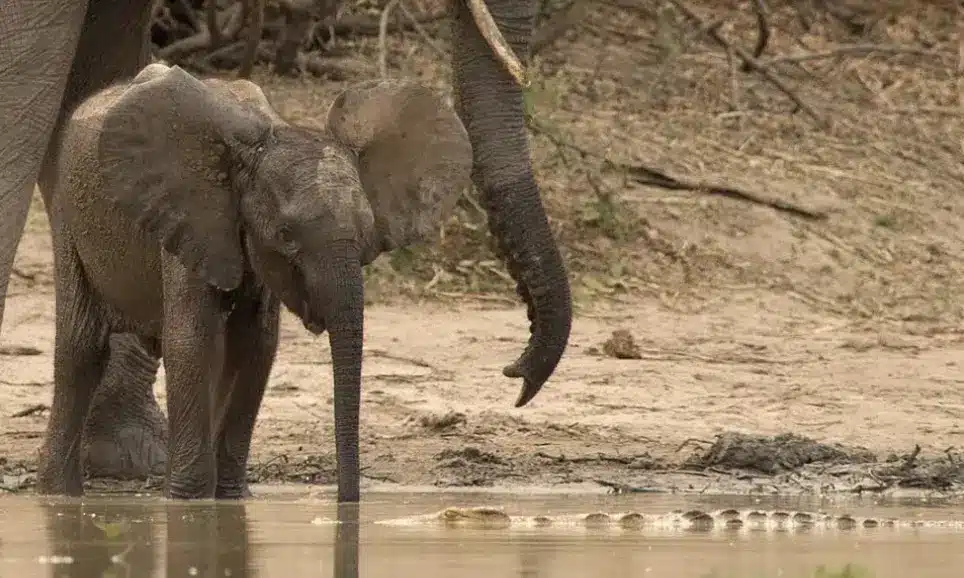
490 105
125 431
125 434
38 40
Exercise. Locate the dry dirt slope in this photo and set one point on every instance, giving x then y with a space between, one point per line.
636 87
751 320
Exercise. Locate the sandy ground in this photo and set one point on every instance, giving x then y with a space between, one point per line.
751 323
437 411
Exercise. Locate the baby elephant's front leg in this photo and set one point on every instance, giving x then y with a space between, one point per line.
193 349
251 341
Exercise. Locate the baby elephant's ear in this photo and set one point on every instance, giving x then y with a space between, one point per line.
414 155
165 155
247 93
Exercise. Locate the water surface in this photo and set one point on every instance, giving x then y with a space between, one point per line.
287 534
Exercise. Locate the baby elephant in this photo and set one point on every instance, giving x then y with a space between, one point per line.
187 211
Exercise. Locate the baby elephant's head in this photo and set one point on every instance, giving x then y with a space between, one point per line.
228 186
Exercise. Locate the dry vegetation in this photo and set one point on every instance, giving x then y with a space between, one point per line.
827 167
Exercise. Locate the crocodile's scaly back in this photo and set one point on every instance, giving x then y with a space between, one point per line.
678 520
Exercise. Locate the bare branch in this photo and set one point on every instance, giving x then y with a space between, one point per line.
851 49
763 31
211 14
751 62
649 176
189 14
382 34
421 29
185 46
255 29
654 177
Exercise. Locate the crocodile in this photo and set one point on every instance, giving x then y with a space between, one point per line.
730 520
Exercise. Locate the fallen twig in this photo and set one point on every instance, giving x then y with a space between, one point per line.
849 49
19 350
695 441
31 410
647 176
654 177
763 31
618 488
386 355
23 274
26 383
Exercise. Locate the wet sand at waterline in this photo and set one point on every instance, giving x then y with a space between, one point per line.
293 532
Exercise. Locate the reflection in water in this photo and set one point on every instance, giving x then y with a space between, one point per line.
208 539
531 560
90 540
346 542
204 539
147 538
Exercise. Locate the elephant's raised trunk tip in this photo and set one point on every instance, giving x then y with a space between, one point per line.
529 388
550 314
533 370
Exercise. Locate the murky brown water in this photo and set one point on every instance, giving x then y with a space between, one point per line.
279 535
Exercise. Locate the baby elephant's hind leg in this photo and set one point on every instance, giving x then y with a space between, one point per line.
125 436
251 341
80 352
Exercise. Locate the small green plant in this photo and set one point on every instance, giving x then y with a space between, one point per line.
886 221
403 260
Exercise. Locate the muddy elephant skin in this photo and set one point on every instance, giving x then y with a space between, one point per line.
203 211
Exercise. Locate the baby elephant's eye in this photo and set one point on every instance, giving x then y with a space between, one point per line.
286 241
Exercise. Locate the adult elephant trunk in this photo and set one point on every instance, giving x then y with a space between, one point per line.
343 294
490 105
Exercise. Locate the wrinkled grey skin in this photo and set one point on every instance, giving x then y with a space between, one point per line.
201 211
55 53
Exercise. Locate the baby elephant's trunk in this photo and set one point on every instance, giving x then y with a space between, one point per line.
342 283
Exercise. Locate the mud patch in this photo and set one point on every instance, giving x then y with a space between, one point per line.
943 472
776 454
15 476
310 469
470 466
